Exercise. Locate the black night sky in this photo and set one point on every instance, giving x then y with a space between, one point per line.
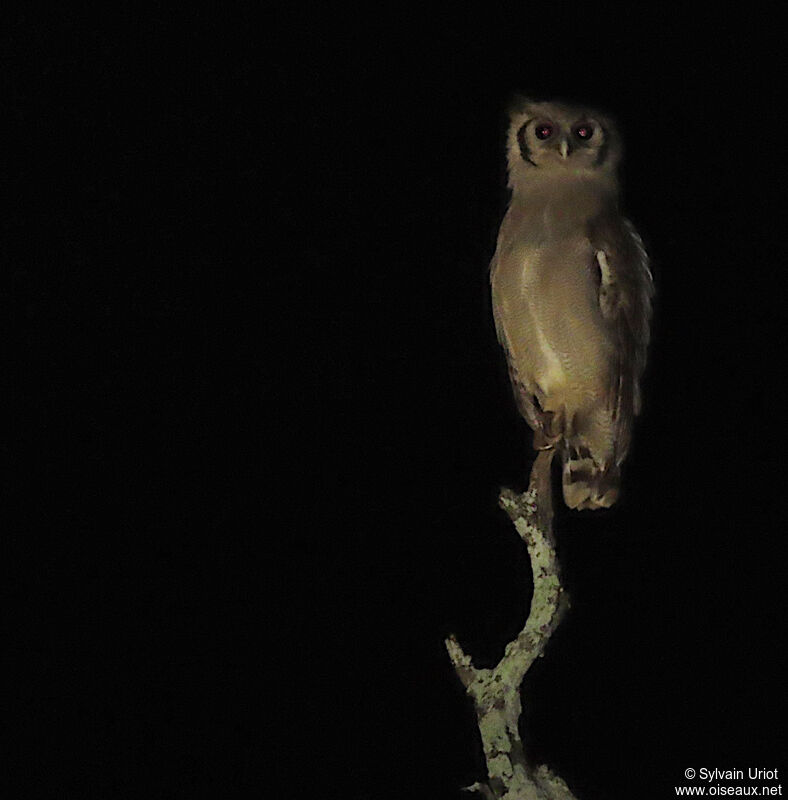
261 417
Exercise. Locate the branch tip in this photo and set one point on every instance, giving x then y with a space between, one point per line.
482 788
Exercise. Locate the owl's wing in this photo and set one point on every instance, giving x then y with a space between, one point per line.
625 292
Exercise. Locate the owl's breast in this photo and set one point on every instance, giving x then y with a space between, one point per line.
546 306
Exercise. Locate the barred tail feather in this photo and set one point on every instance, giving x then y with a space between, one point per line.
586 484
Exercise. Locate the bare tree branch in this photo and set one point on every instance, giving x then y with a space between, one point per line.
496 692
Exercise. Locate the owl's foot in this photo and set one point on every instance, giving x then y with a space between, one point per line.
550 430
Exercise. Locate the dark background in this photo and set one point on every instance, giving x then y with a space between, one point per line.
261 419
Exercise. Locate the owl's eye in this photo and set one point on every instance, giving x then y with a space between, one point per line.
544 131
584 132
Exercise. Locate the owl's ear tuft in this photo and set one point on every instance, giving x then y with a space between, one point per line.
517 104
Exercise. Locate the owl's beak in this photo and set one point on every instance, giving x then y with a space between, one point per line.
564 148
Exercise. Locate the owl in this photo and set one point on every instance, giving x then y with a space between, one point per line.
572 292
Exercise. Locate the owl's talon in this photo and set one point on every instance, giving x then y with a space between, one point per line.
544 442
550 430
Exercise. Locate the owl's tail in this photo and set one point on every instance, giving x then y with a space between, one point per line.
586 483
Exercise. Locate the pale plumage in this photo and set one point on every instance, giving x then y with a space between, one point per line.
572 294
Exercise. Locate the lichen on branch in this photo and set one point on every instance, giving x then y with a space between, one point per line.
496 692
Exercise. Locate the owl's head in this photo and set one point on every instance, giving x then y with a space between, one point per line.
559 141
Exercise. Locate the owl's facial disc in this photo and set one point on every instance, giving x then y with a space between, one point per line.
554 140
561 141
